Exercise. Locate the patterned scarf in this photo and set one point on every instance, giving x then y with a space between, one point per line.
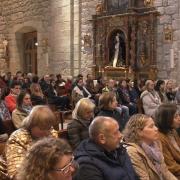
154 154
27 109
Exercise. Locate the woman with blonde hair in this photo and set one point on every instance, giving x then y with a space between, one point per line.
36 125
82 116
48 159
141 134
37 96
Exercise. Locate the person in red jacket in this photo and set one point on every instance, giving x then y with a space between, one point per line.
10 100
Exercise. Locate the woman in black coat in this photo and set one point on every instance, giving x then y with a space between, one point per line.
82 116
37 96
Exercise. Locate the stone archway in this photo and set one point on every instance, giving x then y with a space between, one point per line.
16 46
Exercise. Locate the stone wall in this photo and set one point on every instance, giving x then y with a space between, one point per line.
64 23
56 21
168 52
21 16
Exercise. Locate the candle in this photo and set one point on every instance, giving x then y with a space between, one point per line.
171 58
46 58
178 59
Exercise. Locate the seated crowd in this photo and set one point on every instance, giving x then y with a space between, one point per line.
122 129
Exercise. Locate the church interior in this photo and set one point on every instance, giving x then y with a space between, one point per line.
44 37
89 89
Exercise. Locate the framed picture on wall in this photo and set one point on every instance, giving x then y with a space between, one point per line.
117 5
168 33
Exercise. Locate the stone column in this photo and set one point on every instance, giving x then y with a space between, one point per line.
75 37
60 37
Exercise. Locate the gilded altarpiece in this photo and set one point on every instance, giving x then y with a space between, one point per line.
125 40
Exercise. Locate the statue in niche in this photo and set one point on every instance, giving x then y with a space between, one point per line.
87 41
148 2
118 50
4 47
99 8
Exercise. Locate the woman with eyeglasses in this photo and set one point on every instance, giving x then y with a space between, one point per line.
37 125
144 149
167 121
48 159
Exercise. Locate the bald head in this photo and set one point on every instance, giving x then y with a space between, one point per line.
149 84
99 125
111 83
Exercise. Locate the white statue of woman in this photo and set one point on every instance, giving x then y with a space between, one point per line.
116 54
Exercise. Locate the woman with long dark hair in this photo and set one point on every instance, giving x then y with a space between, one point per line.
167 121
23 108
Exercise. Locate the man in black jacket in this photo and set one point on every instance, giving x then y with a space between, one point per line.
103 157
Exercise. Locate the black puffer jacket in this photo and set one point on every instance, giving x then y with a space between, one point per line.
77 131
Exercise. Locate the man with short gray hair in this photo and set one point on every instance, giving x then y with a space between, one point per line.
102 157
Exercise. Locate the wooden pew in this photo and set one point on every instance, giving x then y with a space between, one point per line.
62 131
8 126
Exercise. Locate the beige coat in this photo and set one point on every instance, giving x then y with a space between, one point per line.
17 117
171 154
150 102
143 165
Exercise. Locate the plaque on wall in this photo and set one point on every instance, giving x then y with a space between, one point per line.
117 5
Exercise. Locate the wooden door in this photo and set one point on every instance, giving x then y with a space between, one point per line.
30 52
